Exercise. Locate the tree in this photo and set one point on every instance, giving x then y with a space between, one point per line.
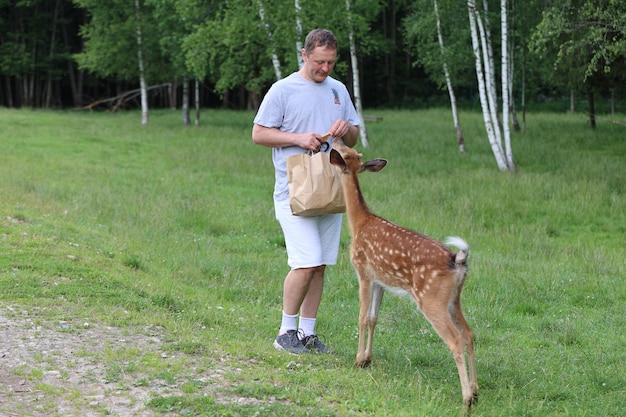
176 19
486 76
270 39
140 64
229 49
122 41
418 31
355 77
588 42
34 51
439 45
506 87
455 114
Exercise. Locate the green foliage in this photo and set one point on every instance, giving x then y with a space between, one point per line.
168 226
585 38
111 48
420 34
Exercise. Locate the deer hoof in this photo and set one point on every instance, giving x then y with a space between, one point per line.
362 363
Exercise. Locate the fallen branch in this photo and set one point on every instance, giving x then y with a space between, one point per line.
122 98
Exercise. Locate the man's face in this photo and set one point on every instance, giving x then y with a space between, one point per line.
319 63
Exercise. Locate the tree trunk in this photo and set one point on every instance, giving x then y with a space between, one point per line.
171 93
496 146
612 103
524 96
270 38
489 72
455 115
186 119
391 60
76 83
355 78
505 87
298 34
511 75
9 90
142 78
592 108
48 98
197 101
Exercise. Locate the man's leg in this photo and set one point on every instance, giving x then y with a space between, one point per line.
297 288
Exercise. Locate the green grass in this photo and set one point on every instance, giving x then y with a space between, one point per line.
103 220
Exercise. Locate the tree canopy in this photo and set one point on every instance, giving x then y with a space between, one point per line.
66 53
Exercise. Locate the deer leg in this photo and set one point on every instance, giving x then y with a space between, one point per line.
370 297
364 305
468 342
439 316
376 296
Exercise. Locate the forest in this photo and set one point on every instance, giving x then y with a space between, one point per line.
394 54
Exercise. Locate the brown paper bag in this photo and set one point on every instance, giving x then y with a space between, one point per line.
314 185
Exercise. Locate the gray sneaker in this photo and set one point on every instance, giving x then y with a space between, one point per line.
290 342
313 343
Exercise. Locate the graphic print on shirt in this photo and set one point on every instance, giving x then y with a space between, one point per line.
336 94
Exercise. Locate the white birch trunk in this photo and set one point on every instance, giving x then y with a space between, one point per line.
142 78
355 79
505 87
298 34
484 23
186 119
455 115
496 147
197 100
490 77
511 60
275 60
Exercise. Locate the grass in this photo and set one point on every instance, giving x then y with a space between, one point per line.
103 220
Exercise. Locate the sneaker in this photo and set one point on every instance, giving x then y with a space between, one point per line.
290 342
314 343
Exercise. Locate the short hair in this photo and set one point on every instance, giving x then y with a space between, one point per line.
320 37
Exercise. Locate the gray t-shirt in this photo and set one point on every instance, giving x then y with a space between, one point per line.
297 105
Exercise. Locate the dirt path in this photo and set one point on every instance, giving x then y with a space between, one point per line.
52 368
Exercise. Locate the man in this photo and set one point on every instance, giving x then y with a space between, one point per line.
292 118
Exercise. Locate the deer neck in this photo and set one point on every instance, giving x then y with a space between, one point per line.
356 208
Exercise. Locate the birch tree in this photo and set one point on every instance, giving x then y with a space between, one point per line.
437 33
355 77
455 114
505 78
299 34
122 41
142 75
485 75
270 38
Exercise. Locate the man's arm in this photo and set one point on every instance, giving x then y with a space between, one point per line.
351 137
275 138
342 129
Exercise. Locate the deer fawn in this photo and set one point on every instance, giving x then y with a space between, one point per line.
387 256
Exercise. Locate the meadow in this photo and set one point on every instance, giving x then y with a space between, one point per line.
108 222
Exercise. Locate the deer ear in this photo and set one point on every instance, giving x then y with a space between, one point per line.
374 165
336 159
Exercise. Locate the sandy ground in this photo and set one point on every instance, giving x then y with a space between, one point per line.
57 368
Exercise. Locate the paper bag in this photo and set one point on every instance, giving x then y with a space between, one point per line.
314 185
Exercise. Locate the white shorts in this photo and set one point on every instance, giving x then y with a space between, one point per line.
310 241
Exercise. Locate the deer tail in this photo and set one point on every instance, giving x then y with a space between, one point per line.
464 250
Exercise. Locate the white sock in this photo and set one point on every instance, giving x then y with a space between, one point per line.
288 323
307 325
